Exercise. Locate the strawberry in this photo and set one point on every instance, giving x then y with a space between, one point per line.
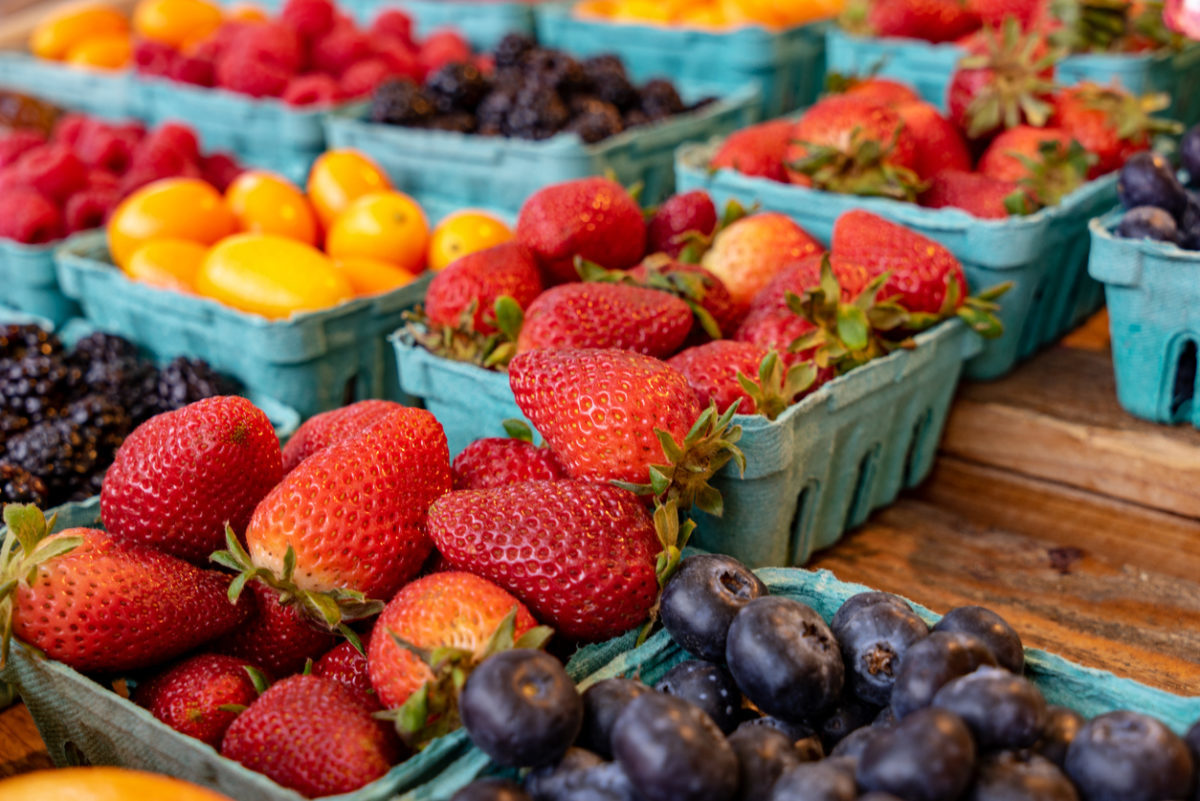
1110 123
724 371
709 298
443 609
853 146
311 735
931 20
496 461
346 523
325 429
191 696
939 145
181 476
580 554
346 665
992 13
276 635
604 315
692 212
748 254
977 194
478 280
1006 79
881 91
757 150
100 604
1046 162
922 270
594 218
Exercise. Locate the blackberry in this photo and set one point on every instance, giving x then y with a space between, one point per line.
18 340
659 99
456 87
609 81
512 49
537 113
595 119
401 102
18 485
35 385
459 121
185 381
108 364
554 69
492 114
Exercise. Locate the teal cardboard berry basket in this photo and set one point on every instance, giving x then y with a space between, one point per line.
787 65
1153 294
30 282
102 93
313 361
1044 254
446 171
928 67
818 470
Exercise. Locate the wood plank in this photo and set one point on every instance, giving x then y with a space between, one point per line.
21 747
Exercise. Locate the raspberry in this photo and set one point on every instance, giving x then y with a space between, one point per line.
27 216
88 208
223 38
101 146
395 24
309 18
143 174
400 57
196 70
70 128
362 78
443 47
241 72
17 143
101 179
153 58
172 136
312 89
219 169
340 49
273 44
53 170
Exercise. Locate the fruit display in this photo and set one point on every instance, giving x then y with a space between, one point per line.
268 248
755 695
1158 205
708 14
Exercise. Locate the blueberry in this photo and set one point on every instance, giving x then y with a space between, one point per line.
1192 738
784 658
853 744
581 776
930 663
887 717
491 790
1061 726
1148 222
1189 153
997 635
873 641
549 780
928 756
795 731
1147 179
1127 756
672 751
848 716
709 687
1189 223
830 780
862 600
1020 776
1002 710
602 703
763 755
701 600
521 708
876 796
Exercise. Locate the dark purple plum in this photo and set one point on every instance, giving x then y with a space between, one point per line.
701 600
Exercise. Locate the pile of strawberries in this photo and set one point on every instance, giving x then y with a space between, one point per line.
72 180
312 54
1013 141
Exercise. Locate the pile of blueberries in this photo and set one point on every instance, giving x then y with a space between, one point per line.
1158 204
777 705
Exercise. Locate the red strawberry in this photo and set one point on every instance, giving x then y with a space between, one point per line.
593 218
748 254
276 636
770 324
1046 162
108 606
921 269
975 193
1109 122
697 286
352 513
327 428
881 91
481 278
180 477
580 554
939 145
712 371
598 409
676 217
346 665
443 609
992 13
1004 81
931 20
189 695
757 150
603 315
496 461
853 146
310 734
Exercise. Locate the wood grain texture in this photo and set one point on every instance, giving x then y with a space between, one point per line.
21 748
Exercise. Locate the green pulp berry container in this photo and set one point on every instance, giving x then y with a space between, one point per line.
313 361
102 93
31 284
812 474
1044 254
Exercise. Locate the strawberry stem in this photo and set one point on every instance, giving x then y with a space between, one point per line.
777 387
462 343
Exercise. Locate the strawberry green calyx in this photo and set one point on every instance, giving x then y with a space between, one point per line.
432 710
518 429
331 610
462 343
1151 24
1019 90
1056 172
863 168
25 547
1131 116
777 384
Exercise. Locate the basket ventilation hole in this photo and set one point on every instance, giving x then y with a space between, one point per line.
917 448
860 504
799 526
349 393
73 755
1185 383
